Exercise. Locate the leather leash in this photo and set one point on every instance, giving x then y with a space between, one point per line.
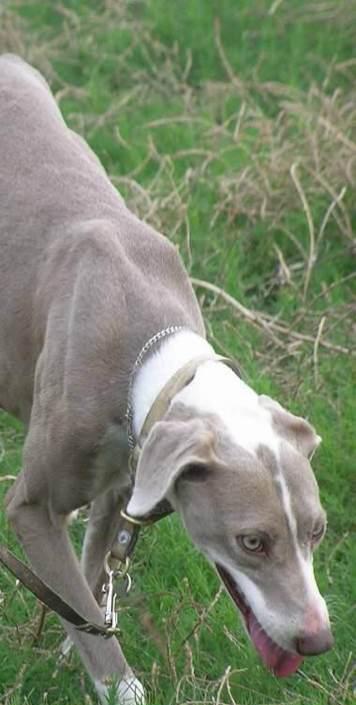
119 555
129 526
47 596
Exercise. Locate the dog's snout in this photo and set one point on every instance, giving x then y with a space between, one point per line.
315 643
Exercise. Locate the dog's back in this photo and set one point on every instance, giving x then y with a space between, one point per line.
49 177
57 203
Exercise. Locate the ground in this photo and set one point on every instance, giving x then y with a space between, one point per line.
229 126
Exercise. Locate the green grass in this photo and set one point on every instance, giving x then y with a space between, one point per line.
199 110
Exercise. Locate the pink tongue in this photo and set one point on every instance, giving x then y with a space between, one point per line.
281 662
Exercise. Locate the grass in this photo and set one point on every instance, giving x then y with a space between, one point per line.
230 127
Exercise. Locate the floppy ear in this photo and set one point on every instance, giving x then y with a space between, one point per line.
171 447
294 429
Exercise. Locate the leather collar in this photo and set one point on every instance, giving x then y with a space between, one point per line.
175 384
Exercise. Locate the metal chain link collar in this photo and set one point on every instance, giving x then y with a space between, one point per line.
138 362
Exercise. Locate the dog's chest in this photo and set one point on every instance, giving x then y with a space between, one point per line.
110 464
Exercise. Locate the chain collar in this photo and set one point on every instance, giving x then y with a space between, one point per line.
138 362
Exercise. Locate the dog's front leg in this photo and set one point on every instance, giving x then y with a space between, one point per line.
44 537
101 531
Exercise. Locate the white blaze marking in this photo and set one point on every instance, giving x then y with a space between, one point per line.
315 603
317 609
287 506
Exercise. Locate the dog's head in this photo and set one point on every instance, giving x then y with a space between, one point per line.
253 509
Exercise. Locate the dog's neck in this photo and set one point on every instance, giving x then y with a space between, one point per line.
215 389
160 366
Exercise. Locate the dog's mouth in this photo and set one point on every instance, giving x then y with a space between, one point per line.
279 661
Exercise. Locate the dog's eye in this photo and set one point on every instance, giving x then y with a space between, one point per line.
318 533
195 472
253 544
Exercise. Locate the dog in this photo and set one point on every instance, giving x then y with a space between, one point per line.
97 315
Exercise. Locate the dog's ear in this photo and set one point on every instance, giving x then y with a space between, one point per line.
294 429
173 448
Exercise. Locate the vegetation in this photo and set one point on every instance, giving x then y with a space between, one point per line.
229 126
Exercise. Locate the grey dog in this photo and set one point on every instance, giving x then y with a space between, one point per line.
86 289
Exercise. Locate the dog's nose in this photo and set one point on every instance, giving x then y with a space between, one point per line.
315 643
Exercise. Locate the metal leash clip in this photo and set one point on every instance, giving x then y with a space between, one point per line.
109 590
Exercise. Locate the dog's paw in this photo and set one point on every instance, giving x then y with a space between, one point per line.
65 647
129 691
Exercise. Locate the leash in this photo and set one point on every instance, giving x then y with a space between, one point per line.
116 566
47 596
117 561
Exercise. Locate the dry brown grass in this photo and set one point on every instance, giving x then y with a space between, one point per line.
293 153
